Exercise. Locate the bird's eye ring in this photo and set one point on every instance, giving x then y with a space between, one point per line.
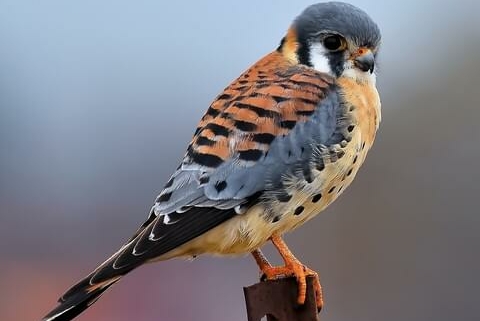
333 42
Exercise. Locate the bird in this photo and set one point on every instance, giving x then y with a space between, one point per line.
272 151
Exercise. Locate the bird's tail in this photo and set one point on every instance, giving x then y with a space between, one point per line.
78 298
88 291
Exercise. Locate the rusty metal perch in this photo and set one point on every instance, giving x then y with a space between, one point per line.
277 300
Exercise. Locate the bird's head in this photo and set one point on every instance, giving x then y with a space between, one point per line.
335 38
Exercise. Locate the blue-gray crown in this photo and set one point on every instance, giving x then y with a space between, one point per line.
339 17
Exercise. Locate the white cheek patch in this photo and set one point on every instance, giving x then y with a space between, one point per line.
319 59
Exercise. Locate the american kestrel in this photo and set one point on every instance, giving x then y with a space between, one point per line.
274 149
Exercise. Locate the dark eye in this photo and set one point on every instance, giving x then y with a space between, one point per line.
333 42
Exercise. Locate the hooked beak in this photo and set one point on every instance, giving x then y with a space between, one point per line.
365 60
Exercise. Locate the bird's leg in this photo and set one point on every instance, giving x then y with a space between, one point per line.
261 260
292 267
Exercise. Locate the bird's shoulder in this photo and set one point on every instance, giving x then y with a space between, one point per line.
265 102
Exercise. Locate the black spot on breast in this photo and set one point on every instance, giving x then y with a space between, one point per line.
316 198
276 219
331 190
340 189
355 159
220 186
350 128
299 210
349 172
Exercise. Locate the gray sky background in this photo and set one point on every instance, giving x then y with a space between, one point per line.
98 100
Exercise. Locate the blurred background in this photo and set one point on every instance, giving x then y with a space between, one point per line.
98 100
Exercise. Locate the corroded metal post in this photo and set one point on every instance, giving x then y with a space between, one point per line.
277 300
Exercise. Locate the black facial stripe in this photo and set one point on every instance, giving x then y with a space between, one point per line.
336 61
303 52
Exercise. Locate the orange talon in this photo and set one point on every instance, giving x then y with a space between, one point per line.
292 267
